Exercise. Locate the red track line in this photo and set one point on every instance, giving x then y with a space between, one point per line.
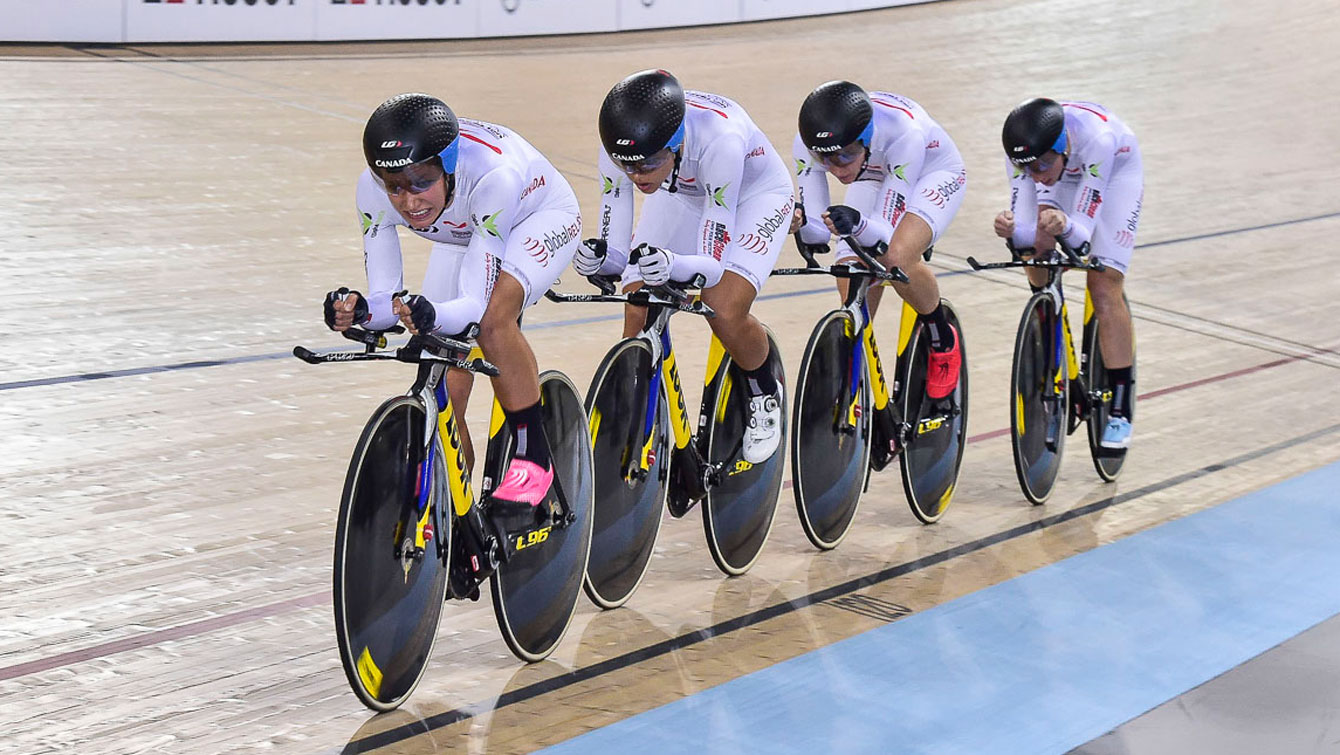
161 635
306 601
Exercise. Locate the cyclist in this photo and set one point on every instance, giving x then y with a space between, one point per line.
906 182
504 223
1075 174
720 199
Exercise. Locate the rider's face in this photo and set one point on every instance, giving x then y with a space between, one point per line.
419 205
1047 169
649 174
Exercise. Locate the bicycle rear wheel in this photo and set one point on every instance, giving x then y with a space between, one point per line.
535 590
830 438
738 511
1106 461
627 513
939 428
1039 398
387 603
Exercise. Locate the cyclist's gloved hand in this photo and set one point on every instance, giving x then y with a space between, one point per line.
344 308
590 256
846 221
417 313
654 265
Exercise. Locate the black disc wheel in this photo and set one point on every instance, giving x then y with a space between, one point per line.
535 590
627 443
938 428
830 431
739 509
1106 461
390 576
1039 397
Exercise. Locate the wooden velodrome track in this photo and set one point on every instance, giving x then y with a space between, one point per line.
171 216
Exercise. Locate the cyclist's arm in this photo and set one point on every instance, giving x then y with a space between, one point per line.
381 251
902 165
616 215
493 204
812 180
1095 171
1024 205
721 170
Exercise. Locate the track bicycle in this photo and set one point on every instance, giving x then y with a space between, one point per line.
850 420
411 535
1051 391
648 457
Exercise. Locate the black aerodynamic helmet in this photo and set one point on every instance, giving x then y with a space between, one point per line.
834 115
642 115
1032 128
409 129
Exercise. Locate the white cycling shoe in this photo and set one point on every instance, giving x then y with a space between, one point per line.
764 432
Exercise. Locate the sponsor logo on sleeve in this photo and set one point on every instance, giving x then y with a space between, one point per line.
1092 169
489 224
757 152
1090 202
370 225
718 194
898 170
534 184
894 206
715 237
608 186
802 167
935 144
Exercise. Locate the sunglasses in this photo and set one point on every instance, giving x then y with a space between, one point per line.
646 164
843 157
416 179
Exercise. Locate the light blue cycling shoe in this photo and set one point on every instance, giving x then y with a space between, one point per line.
1117 434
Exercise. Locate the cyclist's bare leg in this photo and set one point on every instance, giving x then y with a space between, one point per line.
1115 337
518 383
1043 243
634 317
910 239
459 383
740 332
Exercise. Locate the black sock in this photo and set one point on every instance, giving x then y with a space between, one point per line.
528 431
761 381
938 327
1120 383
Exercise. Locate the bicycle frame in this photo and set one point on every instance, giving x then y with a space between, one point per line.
664 375
1063 353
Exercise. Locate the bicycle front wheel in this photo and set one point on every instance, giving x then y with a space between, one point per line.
939 428
390 575
1039 398
629 497
535 590
830 437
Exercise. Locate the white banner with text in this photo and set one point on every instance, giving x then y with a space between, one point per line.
130 21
